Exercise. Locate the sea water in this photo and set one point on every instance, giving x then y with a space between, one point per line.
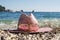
9 20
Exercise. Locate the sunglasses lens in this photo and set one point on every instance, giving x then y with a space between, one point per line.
23 27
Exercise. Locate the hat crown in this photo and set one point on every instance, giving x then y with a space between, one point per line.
30 19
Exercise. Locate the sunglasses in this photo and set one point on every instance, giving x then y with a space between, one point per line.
30 27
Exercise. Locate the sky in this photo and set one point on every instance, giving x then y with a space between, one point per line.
29 5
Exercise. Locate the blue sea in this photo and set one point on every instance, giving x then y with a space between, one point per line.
44 18
38 15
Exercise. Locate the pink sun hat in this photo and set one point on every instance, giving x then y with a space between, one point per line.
28 23
45 29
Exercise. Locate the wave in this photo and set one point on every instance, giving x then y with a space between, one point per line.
52 22
8 24
12 24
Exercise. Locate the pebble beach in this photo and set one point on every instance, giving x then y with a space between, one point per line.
6 35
